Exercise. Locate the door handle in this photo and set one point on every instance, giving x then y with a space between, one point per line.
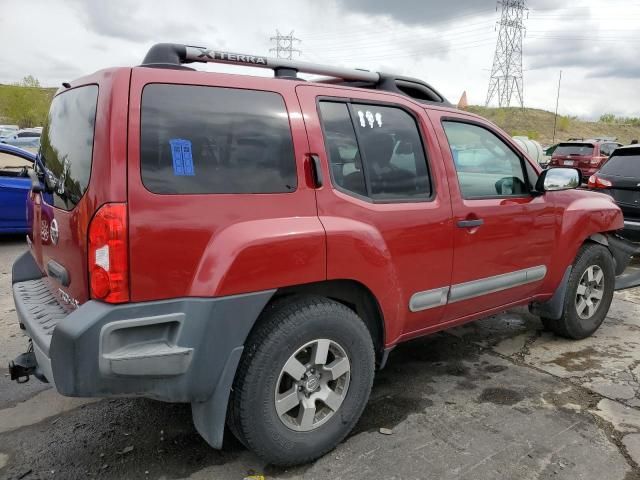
470 223
316 170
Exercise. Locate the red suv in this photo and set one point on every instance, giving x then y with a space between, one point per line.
257 246
588 156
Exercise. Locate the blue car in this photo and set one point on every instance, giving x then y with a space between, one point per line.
15 184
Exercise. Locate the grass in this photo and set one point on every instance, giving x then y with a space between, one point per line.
538 125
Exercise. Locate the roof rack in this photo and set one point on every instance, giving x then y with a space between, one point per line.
173 55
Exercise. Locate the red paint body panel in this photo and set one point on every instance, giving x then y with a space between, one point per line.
395 249
517 233
221 244
226 244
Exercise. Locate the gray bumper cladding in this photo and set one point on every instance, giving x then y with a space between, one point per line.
144 347
180 350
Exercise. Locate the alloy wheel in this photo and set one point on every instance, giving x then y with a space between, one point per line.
312 385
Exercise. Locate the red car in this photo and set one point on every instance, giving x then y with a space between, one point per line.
257 246
588 156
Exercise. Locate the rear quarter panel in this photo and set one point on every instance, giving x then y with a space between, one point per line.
204 245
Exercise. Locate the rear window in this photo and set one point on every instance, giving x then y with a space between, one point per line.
67 144
197 139
574 149
623 165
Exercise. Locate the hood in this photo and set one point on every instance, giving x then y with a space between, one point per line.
25 154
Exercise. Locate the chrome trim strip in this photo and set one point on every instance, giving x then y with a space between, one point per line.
634 224
497 283
428 299
464 291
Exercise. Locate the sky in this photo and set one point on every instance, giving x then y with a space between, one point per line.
448 44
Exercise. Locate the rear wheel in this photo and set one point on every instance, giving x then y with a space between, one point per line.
303 381
589 294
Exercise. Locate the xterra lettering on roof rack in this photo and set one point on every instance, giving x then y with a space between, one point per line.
212 56
172 55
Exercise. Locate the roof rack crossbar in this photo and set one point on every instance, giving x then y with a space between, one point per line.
166 54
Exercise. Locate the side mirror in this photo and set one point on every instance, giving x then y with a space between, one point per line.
555 179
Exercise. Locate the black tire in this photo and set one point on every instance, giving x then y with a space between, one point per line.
283 329
571 325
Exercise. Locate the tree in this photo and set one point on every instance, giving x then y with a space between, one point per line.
25 103
29 81
608 118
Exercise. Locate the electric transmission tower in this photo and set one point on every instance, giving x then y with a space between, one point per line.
506 73
284 45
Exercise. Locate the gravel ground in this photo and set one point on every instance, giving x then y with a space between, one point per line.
496 399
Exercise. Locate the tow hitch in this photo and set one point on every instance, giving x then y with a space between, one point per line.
23 366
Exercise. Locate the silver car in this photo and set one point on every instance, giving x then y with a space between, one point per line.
29 137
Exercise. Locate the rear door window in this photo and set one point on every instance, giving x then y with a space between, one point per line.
198 140
375 151
67 144
582 149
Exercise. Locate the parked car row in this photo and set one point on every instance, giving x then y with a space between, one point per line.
25 138
620 178
587 155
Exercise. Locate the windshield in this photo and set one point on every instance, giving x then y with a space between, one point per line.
67 144
574 149
623 166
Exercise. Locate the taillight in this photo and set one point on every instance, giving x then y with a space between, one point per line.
596 160
596 182
108 254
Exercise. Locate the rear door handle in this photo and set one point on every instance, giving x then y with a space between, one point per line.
316 170
470 223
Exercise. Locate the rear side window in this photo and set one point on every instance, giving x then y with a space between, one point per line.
574 149
66 149
197 139
375 151
623 165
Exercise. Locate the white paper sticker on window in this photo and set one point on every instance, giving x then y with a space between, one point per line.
369 118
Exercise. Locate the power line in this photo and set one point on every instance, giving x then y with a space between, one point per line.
284 45
376 30
506 72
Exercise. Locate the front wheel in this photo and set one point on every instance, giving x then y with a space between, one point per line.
589 294
303 381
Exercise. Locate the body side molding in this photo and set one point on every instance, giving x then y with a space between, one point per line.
475 288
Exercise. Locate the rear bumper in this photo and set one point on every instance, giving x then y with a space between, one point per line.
173 350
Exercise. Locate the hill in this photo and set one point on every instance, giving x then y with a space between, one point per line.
538 125
25 106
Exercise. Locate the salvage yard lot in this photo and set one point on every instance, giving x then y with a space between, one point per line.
499 398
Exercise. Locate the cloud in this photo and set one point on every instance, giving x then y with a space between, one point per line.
126 20
422 12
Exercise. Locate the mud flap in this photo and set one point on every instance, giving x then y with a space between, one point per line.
209 417
553 307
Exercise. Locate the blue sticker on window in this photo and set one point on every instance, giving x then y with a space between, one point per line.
182 156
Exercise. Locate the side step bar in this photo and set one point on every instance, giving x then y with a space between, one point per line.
629 279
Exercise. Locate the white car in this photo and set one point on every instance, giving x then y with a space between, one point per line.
29 137
6 130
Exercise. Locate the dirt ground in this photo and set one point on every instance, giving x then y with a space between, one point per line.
496 399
